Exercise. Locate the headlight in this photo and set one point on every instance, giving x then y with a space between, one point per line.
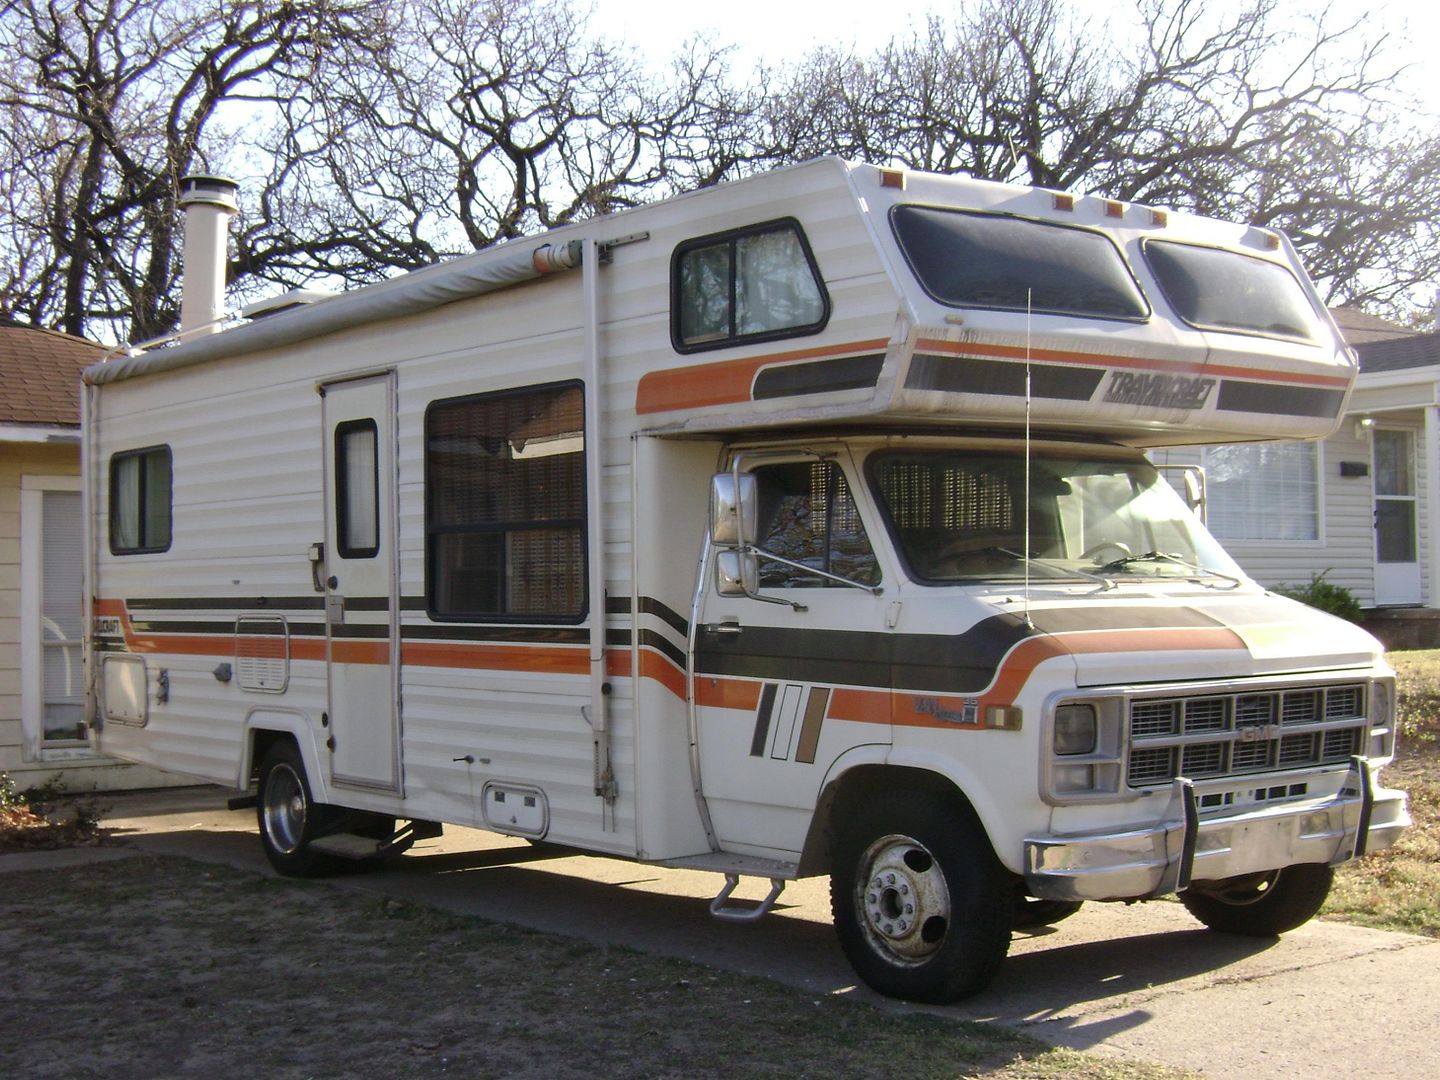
1075 729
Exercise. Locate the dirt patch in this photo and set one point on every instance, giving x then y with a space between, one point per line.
30 824
161 967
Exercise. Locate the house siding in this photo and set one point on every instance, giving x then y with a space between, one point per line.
1344 550
18 460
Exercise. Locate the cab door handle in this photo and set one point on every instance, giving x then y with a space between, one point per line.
726 627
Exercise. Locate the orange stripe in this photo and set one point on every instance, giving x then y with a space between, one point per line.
1018 352
727 380
861 706
727 693
662 670
557 661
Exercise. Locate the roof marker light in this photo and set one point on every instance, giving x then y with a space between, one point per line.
892 178
1114 209
1064 201
1159 218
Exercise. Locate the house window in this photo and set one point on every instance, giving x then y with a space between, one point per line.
505 506
140 501
52 687
754 284
1264 491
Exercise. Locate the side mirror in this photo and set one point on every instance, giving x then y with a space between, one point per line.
736 573
733 509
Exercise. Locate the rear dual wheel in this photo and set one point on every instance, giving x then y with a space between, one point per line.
921 905
288 816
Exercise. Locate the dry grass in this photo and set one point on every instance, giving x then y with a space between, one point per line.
1399 889
168 967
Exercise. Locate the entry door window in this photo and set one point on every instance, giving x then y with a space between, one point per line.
1394 496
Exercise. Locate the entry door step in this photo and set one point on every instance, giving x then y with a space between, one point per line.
347 845
723 862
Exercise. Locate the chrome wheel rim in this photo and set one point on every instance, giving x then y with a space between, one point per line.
285 809
902 900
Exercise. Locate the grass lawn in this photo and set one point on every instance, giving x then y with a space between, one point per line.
1399 889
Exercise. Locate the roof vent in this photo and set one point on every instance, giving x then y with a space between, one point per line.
274 305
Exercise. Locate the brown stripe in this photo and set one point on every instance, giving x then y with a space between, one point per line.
810 730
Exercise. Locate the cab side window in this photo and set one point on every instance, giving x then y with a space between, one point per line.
808 517
754 284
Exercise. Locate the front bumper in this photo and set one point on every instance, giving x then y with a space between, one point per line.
1184 847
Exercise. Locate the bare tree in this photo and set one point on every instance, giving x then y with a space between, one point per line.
480 123
104 105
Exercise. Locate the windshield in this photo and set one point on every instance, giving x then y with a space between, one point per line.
969 259
958 516
1224 290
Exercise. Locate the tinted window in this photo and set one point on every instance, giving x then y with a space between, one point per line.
749 285
505 505
140 501
992 261
1225 290
808 517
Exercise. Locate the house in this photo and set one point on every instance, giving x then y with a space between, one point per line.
42 723
1359 507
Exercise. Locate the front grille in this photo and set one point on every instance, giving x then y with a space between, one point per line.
1219 735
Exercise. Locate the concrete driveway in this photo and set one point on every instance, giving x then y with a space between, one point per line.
1144 981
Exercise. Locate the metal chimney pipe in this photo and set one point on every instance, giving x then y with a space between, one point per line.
209 204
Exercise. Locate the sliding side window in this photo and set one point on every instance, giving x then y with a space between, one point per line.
140 501
753 284
505 506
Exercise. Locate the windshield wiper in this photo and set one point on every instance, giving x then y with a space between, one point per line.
1060 568
1160 556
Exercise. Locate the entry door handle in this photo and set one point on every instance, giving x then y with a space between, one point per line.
317 560
727 627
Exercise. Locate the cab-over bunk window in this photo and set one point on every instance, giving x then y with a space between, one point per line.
967 259
140 509
505 506
748 285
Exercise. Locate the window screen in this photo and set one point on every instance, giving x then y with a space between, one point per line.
505 505
750 285
140 501
357 490
995 261
808 516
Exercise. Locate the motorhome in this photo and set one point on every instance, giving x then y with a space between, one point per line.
797 526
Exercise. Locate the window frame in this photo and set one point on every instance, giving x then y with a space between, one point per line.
825 576
142 490
732 237
582 522
342 488
1145 316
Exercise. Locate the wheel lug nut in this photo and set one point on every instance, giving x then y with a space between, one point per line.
890 879
909 909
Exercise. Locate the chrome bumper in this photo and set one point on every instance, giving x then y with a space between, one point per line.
1166 857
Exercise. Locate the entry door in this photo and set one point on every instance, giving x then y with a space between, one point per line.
781 692
362 618
1397 565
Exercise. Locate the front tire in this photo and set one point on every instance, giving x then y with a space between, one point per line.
288 816
921 905
1261 905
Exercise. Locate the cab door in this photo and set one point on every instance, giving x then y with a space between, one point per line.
360 572
791 677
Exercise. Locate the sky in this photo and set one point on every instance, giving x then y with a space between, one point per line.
777 30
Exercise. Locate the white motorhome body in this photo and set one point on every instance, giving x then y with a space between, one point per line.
735 529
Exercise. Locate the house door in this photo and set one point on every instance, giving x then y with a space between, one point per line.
362 618
1397 563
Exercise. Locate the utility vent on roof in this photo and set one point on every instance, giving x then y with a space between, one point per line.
262 653
273 305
